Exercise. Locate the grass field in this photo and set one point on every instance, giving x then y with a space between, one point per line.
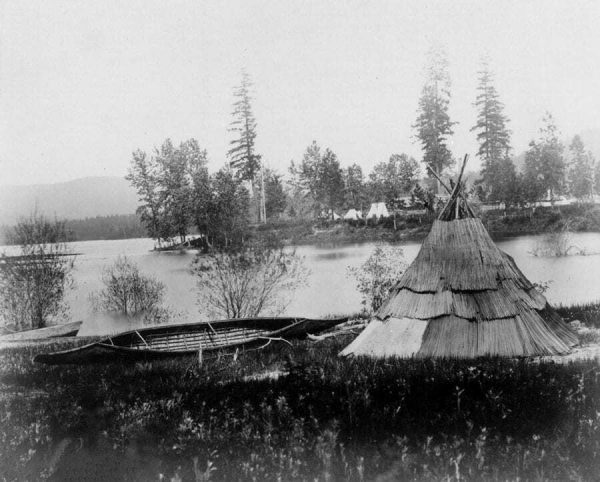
323 418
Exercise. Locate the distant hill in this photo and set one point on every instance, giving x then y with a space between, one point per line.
77 199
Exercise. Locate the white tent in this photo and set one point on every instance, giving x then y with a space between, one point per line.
378 210
353 215
330 214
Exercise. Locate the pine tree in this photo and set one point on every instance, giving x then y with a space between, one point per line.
242 154
433 125
492 133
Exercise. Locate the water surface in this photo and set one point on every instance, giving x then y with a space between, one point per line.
329 289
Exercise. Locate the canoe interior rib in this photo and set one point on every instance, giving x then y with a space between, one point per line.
174 340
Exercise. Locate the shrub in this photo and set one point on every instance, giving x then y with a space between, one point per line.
129 292
32 285
248 281
378 274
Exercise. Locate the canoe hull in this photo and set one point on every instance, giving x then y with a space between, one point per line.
67 329
181 340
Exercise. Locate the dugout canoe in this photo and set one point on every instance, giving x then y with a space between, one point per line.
179 340
66 329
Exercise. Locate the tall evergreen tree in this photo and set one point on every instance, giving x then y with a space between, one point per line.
492 134
433 125
242 154
581 170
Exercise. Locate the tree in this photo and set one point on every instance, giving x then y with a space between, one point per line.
378 275
581 170
228 209
254 279
504 183
393 179
175 194
423 196
143 176
242 154
433 125
355 195
200 190
171 187
276 200
492 134
331 182
320 177
130 293
544 163
33 285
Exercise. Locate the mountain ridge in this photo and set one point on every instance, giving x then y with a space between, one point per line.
76 199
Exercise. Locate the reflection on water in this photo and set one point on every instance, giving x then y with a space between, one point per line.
329 288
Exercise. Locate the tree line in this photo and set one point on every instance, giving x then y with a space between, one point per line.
177 192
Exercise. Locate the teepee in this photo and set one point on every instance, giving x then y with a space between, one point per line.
463 298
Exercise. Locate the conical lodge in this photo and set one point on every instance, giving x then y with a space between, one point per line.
462 297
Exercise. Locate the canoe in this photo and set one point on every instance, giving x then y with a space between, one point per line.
179 340
66 329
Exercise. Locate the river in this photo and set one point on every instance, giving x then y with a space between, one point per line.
329 290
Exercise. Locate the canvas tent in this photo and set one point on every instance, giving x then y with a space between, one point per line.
330 214
353 215
463 298
378 210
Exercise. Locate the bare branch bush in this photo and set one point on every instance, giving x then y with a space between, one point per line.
557 243
33 284
246 282
378 275
129 292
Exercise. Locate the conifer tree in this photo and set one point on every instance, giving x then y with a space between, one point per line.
492 134
242 154
433 125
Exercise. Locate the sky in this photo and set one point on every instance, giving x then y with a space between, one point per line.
83 84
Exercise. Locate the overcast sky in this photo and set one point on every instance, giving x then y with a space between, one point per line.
83 84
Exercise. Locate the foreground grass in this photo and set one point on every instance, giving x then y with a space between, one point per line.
328 419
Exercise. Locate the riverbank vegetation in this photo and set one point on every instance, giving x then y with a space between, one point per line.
129 293
299 413
251 280
33 282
